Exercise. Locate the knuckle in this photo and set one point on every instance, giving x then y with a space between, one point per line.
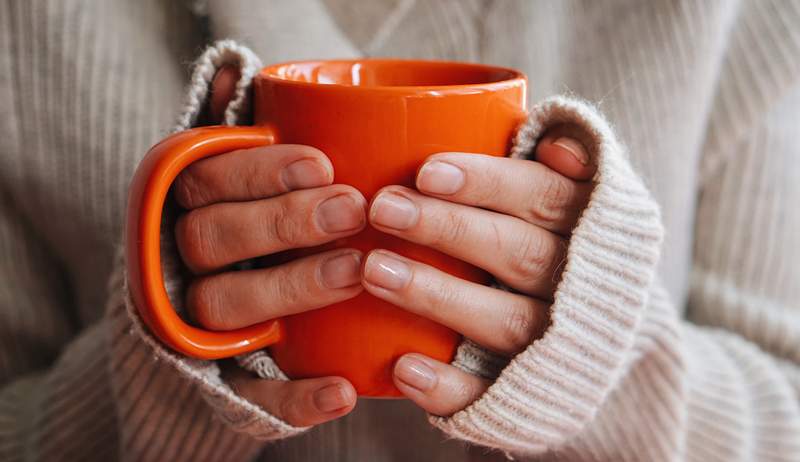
452 230
519 328
196 239
290 289
188 188
552 204
462 392
528 261
491 187
254 179
440 296
284 225
291 410
204 301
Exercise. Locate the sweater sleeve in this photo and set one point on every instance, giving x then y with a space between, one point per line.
618 375
220 410
110 391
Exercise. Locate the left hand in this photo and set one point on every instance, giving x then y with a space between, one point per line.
511 217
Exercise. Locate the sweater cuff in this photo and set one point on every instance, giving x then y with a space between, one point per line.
239 413
551 390
221 53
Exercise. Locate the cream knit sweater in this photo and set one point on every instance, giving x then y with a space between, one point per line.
676 328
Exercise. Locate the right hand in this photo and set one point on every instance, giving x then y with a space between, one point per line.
255 202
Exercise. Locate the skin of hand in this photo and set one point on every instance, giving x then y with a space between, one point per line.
511 217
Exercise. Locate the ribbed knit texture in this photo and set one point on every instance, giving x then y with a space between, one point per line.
686 349
549 391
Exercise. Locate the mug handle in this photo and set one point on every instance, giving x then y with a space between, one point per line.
146 197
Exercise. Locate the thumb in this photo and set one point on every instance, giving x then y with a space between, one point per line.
561 151
222 89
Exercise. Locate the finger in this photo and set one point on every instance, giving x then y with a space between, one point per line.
500 321
250 174
439 388
561 150
300 403
522 188
237 299
524 256
210 238
222 89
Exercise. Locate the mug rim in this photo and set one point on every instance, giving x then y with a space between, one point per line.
516 77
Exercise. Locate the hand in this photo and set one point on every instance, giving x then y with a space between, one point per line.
511 217
255 202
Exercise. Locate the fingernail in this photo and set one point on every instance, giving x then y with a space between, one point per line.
385 271
340 213
304 173
415 373
575 148
332 397
440 178
394 211
341 271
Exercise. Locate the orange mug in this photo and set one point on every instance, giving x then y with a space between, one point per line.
377 120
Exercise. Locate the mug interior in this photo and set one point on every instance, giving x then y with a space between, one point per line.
389 73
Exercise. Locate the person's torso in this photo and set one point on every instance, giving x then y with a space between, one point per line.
109 81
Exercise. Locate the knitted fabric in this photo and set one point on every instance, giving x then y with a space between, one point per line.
694 357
